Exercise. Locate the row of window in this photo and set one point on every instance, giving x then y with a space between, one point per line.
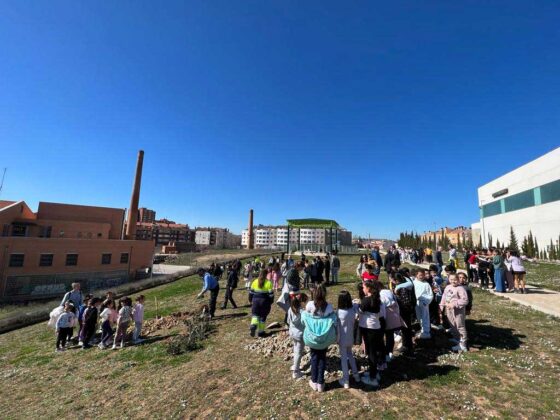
546 193
46 260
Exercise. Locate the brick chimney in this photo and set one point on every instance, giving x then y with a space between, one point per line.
251 243
134 199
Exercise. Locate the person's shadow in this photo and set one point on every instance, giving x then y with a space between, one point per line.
482 334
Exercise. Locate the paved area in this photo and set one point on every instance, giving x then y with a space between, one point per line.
160 269
543 300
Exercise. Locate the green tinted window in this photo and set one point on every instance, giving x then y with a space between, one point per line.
520 201
550 192
491 209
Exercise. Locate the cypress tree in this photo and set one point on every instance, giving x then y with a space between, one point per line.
498 244
513 245
525 246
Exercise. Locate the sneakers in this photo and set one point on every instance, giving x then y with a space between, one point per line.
61 349
459 348
297 374
253 330
320 387
313 385
102 346
293 368
344 384
524 291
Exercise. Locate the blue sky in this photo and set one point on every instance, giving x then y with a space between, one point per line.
385 116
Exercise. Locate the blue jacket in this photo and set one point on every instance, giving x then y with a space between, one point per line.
210 282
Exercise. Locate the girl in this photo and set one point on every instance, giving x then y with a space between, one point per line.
361 268
454 301
369 273
518 273
248 274
123 320
347 313
372 326
464 281
109 317
318 308
64 325
274 275
406 300
296 328
392 320
261 296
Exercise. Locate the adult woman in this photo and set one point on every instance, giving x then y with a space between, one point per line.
499 271
518 272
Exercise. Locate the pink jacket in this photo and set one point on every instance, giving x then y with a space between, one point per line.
274 275
456 295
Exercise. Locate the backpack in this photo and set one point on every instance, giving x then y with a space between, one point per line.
319 332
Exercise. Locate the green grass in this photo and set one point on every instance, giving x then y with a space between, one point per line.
512 371
543 274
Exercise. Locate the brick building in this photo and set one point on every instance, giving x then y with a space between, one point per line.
163 232
462 233
146 215
43 252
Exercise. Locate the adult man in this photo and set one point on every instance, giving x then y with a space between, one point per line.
320 269
392 259
335 267
376 256
74 296
453 256
209 284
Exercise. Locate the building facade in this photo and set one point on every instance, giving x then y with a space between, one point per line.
43 252
214 237
146 215
526 199
269 237
456 235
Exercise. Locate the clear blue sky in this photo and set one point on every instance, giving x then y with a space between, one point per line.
382 115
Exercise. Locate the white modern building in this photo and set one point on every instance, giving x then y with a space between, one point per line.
527 199
277 237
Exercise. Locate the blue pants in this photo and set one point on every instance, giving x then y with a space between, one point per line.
318 365
499 279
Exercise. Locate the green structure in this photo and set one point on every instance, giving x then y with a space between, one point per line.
313 224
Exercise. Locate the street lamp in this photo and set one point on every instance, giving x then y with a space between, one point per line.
483 233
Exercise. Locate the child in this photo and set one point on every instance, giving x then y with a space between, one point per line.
406 300
372 327
138 315
436 282
347 313
90 321
369 274
248 275
261 296
464 281
64 325
424 297
275 275
319 312
454 302
109 318
392 320
123 320
81 311
296 328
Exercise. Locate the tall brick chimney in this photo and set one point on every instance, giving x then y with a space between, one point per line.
134 199
251 244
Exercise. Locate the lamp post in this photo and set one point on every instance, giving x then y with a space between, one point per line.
483 233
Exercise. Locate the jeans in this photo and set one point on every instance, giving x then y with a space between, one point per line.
106 332
229 296
298 353
335 275
318 365
137 330
373 339
327 275
389 341
347 358
213 298
406 331
423 316
61 336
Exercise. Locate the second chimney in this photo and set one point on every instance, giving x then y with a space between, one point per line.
134 199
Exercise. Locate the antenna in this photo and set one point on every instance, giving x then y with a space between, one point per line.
3 176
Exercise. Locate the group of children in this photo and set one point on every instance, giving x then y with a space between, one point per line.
94 314
375 319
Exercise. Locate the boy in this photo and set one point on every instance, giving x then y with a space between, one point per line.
138 316
90 321
231 284
424 297
437 287
64 325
